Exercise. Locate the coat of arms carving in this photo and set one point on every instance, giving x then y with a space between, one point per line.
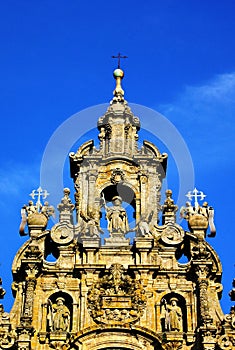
116 298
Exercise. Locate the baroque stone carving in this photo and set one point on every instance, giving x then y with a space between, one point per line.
58 316
116 298
169 208
7 335
171 316
117 216
91 224
172 234
225 343
117 176
199 251
142 227
173 345
230 318
36 215
198 217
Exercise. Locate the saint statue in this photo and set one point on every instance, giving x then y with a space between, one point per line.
59 316
117 216
171 316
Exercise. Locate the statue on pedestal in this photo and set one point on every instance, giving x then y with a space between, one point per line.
117 216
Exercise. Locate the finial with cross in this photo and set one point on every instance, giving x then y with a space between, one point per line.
119 56
40 193
196 195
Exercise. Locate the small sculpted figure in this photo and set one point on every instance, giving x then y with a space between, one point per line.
59 316
187 211
92 227
48 210
117 216
142 228
171 316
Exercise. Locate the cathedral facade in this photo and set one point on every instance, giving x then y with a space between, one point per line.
112 293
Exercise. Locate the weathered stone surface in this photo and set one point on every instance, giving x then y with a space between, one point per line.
112 292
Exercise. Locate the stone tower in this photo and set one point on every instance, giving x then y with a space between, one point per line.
114 293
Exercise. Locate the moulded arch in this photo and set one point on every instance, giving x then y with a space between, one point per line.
118 337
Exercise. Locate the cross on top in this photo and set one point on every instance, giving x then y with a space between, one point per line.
119 56
39 193
196 195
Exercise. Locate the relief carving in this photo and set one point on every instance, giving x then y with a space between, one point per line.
116 298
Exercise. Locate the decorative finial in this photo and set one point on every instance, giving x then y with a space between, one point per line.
196 195
118 76
198 216
39 193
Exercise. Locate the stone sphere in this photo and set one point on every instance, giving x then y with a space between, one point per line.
118 73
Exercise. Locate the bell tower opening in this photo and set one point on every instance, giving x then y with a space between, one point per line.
126 196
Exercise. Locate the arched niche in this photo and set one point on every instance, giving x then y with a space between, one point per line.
173 313
128 202
53 303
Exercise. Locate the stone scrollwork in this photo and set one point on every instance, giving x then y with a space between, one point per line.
116 298
230 318
225 343
172 234
62 233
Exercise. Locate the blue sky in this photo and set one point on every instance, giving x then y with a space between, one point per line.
56 60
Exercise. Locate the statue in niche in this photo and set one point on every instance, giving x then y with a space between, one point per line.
171 316
58 316
116 216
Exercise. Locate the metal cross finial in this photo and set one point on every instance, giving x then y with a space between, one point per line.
39 193
119 56
196 195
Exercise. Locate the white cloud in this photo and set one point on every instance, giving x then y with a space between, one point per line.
17 180
205 117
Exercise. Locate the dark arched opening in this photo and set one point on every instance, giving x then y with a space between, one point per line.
128 203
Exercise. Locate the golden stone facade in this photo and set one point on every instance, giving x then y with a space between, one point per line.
117 295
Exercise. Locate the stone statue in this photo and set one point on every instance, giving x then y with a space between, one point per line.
187 211
58 316
208 212
169 209
142 227
30 208
48 210
171 316
117 216
92 227
205 212
35 215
